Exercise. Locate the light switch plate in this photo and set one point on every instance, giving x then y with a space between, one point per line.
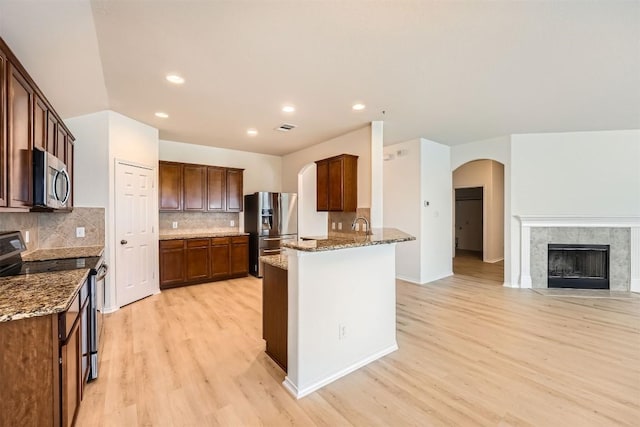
79 231
174 224
233 223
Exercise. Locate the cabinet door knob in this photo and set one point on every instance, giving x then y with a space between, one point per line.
123 242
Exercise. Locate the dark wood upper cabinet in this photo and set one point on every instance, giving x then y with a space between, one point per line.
194 189
27 121
322 185
40 111
216 189
52 133
3 130
20 140
170 188
61 143
337 183
189 187
234 190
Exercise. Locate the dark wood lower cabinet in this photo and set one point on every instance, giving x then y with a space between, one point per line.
274 313
190 261
41 367
197 259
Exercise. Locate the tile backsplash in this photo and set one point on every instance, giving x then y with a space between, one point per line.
346 218
57 229
199 221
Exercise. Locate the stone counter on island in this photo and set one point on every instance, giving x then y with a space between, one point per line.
341 306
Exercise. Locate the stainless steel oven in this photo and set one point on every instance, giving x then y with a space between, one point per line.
51 181
97 284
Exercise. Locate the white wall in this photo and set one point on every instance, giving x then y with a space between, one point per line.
101 138
419 173
262 172
437 219
310 221
402 204
357 143
489 175
573 173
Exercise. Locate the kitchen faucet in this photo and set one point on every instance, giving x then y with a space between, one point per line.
366 224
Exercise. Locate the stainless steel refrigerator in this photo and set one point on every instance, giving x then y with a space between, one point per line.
269 218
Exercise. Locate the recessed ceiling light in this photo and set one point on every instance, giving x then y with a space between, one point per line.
358 107
288 108
175 79
252 132
162 115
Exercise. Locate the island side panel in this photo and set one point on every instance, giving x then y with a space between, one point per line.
342 313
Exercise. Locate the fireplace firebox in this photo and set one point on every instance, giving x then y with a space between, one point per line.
578 266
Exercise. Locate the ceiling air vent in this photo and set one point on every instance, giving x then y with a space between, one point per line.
285 127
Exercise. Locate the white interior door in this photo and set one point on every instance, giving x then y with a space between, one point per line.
135 237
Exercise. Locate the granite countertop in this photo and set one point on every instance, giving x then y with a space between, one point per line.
380 236
42 294
200 234
63 253
279 261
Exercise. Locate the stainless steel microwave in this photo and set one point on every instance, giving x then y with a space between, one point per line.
51 182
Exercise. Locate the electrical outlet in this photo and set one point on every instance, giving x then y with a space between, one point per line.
339 226
79 231
232 223
26 236
357 226
342 331
333 225
174 224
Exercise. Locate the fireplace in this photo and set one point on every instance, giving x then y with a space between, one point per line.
578 266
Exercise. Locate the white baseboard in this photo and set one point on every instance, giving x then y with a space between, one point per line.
299 393
494 260
108 310
510 285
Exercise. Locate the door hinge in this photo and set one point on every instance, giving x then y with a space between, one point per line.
60 361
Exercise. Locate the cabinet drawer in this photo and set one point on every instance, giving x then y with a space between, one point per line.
171 244
240 239
219 240
197 243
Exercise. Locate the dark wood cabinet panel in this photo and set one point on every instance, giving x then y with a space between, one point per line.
170 186
3 130
322 185
40 114
197 259
275 313
194 188
172 263
216 189
220 267
337 183
20 140
71 378
52 133
234 190
61 143
239 255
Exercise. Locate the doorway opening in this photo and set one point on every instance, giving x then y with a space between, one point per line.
478 219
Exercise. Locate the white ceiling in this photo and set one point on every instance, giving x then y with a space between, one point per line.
449 71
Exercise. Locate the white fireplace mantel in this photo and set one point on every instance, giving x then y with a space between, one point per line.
529 221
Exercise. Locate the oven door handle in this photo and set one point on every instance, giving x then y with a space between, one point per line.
105 271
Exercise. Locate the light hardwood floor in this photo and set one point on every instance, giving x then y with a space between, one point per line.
471 353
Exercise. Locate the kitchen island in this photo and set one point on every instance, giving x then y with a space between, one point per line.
341 306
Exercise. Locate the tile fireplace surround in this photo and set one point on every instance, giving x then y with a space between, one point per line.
621 233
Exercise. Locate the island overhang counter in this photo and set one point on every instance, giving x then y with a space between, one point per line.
341 306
